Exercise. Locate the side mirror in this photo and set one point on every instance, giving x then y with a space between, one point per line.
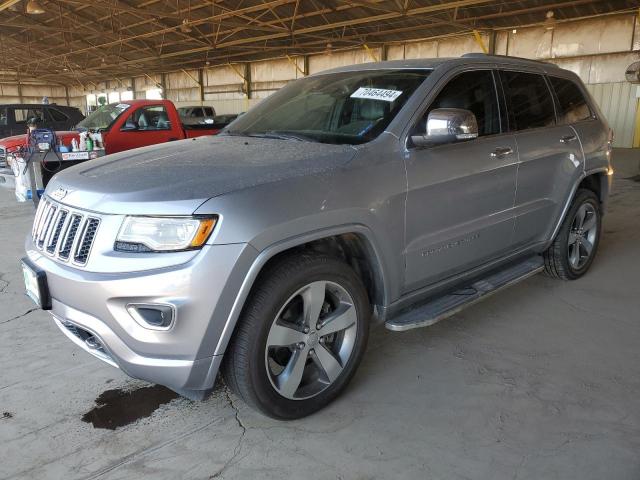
447 125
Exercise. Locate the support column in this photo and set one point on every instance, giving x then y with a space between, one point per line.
201 84
163 85
492 42
247 79
247 84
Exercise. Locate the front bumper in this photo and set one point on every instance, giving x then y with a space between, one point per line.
88 304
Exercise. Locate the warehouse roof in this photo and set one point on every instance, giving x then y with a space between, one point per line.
78 40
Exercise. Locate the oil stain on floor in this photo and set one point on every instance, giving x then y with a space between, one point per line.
117 408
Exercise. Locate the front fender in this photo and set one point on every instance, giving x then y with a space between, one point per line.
287 244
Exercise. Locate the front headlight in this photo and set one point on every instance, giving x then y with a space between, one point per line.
163 234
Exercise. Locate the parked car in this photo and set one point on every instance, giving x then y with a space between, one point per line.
124 126
197 115
395 193
15 117
139 123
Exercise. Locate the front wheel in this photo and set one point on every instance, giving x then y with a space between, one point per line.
300 338
575 246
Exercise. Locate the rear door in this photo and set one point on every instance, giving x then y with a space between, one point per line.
460 197
550 156
23 116
573 109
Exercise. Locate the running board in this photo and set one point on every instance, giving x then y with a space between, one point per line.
443 307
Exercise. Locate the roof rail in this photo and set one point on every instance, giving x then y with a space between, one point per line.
522 59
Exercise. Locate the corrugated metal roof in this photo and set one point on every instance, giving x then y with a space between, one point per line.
77 40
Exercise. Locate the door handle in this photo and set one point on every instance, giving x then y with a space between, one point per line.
568 138
502 152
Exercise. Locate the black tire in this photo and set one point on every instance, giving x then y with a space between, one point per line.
556 257
245 365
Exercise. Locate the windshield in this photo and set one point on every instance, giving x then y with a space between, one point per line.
103 117
346 107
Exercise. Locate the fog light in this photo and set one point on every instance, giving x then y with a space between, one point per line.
155 316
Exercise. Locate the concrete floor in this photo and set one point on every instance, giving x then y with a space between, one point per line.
539 382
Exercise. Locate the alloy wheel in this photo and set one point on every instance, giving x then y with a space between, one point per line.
582 235
311 340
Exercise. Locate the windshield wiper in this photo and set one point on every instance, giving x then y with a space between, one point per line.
282 135
286 135
277 134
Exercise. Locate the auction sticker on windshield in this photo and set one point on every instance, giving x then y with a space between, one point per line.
376 94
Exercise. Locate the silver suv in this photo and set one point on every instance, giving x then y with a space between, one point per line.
396 192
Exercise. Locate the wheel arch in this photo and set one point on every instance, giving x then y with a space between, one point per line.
598 181
351 243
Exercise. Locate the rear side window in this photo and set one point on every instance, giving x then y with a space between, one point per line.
474 91
57 115
572 106
29 115
529 100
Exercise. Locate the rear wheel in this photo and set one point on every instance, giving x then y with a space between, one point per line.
575 246
300 338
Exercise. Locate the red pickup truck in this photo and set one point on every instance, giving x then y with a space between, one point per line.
126 125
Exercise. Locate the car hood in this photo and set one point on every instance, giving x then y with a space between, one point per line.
175 178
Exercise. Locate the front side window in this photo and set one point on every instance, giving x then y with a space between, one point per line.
572 106
529 100
474 91
340 108
149 118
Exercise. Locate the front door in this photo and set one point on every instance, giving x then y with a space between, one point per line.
460 195
147 125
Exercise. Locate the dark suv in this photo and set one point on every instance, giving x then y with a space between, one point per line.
14 117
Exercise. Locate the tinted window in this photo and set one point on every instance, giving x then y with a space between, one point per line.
57 115
529 99
4 116
208 111
572 106
149 118
474 91
31 115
